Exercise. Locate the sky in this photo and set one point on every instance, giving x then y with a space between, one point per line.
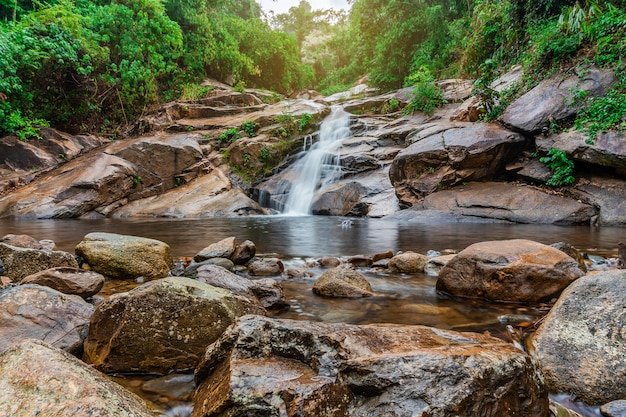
282 6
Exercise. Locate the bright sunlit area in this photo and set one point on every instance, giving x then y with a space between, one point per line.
283 6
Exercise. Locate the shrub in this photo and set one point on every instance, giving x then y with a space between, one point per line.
561 166
426 98
304 121
230 135
249 128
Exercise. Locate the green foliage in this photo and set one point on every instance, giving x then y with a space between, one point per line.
426 98
489 98
561 166
249 128
391 106
193 91
304 122
264 154
603 113
230 135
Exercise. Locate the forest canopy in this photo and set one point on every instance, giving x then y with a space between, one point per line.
95 66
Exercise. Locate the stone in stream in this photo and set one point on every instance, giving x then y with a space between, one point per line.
20 262
342 283
125 257
408 262
270 367
161 326
68 281
35 312
37 379
515 270
580 344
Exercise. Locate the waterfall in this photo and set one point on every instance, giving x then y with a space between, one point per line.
320 164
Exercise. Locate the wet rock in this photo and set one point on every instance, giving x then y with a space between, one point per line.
264 366
614 409
266 267
434 265
267 291
25 241
161 326
384 255
509 202
342 283
34 312
125 257
515 270
329 262
192 270
177 387
554 99
408 262
68 281
222 249
340 200
579 345
571 251
37 379
608 195
21 262
445 154
244 252
360 261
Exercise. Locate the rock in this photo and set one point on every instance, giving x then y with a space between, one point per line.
21 241
266 291
360 261
572 252
434 265
265 366
445 154
579 344
607 150
192 270
384 255
177 387
68 281
266 267
21 262
244 252
608 195
222 249
532 171
34 312
125 257
37 379
509 202
515 270
408 262
554 99
340 200
161 326
614 409
328 262
342 283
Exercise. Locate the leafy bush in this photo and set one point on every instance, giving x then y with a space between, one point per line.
426 98
249 128
561 166
230 135
304 122
603 113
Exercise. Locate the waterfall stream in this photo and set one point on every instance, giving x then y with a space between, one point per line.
320 164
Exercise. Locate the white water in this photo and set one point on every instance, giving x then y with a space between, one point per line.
319 167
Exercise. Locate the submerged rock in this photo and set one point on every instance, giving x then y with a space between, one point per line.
515 270
271 367
37 379
161 326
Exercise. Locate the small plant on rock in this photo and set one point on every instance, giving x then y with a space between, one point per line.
561 166
250 128
230 135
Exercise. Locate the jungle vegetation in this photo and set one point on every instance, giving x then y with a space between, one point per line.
96 66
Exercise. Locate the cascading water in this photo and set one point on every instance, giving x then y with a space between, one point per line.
320 165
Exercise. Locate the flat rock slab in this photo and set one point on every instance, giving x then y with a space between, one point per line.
68 281
21 262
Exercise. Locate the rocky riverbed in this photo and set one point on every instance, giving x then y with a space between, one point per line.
202 334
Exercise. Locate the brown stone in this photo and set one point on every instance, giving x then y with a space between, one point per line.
342 283
68 281
408 262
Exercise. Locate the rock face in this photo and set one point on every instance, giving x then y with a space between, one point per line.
37 379
510 270
608 195
342 283
161 326
125 257
21 262
338 369
579 345
554 99
511 203
341 200
34 312
446 154
68 281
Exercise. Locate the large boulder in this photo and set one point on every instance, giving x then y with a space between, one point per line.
580 345
554 99
607 194
34 312
342 283
125 257
444 154
515 270
37 379
75 281
341 200
265 366
517 203
21 262
161 326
